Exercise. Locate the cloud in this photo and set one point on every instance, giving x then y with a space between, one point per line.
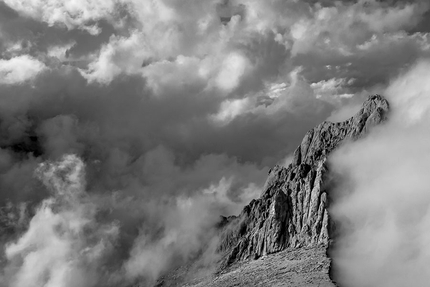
331 87
120 55
81 14
232 69
391 18
184 73
60 51
340 27
74 234
382 194
20 69
172 109
60 135
230 109
184 237
54 251
338 34
292 96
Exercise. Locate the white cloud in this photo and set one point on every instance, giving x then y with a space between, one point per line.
410 95
13 49
73 14
19 69
332 88
230 109
340 28
383 198
389 19
165 76
120 55
166 30
54 250
232 69
293 96
276 89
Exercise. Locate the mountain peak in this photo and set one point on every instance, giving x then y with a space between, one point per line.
293 208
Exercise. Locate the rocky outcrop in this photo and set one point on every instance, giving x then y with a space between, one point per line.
293 208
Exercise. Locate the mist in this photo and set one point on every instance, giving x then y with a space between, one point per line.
382 199
78 238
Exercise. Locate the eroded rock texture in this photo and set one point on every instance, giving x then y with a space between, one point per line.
293 209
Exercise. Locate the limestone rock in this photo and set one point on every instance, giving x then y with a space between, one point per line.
293 208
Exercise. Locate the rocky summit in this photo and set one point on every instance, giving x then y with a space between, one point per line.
292 211
288 229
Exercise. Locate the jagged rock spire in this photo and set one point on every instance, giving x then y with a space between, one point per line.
293 208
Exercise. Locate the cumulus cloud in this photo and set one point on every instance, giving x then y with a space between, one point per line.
383 196
331 87
232 69
121 55
293 95
78 14
230 109
339 28
165 31
20 69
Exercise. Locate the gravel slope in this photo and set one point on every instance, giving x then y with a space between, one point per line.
301 267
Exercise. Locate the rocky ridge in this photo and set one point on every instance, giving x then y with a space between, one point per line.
292 211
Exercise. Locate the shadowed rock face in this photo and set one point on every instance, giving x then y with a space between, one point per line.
293 208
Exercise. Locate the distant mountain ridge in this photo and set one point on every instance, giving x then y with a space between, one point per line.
292 211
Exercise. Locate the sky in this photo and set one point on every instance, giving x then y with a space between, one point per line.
144 113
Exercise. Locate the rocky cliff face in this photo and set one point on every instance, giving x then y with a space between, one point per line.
293 208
